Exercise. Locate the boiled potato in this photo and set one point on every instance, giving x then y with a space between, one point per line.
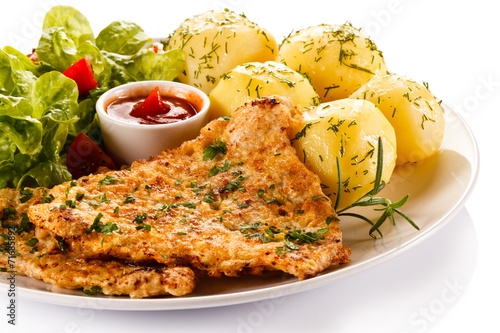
412 110
349 130
217 41
337 58
255 80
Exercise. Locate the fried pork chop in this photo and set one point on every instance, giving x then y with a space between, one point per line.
37 254
236 200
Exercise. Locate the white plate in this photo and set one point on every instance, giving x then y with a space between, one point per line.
438 188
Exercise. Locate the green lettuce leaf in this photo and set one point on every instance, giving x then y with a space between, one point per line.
65 29
149 65
15 80
75 24
7 149
18 126
46 174
26 63
122 37
87 118
12 171
56 96
144 65
38 129
57 49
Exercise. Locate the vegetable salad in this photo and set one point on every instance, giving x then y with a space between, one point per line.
42 108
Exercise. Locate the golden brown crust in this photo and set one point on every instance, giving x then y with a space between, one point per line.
221 223
45 261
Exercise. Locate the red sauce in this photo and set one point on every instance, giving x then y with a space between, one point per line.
175 109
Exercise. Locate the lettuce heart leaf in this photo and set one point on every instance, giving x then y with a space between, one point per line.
122 37
72 21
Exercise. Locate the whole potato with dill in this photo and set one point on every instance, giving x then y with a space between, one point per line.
412 110
346 131
216 42
255 80
337 58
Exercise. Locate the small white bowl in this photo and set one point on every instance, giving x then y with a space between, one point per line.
126 142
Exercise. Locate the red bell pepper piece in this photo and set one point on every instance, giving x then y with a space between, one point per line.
81 73
84 157
33 57
152 106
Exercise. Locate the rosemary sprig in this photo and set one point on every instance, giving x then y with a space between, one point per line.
388 209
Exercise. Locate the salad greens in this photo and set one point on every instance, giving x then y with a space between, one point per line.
40 109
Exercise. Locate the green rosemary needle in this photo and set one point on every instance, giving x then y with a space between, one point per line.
388 209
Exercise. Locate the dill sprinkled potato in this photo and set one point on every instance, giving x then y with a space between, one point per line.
412 110
347 130
216 42
337 58
255 80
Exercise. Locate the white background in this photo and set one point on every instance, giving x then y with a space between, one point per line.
448 283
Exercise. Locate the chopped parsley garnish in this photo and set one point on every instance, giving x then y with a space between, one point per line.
104 198
235 184
70 204
32 242
291 239
189 205
330 219
209 197
129 199
8 214
143 226
140 218
26 194
253 226
216 169
212 151
62 245
108 180
99 227
25 224
48 199
165 208
275 201
92 291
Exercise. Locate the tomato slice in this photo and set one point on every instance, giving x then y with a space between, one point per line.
81 73
152 106
84 157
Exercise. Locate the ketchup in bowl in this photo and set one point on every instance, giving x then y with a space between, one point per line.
152 110
140 119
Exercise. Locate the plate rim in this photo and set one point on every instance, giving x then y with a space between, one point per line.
269 292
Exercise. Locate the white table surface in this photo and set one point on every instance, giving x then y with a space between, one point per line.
448 283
